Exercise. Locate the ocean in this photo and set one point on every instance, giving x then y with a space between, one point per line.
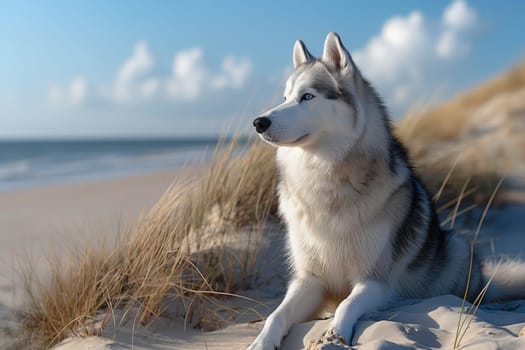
25 164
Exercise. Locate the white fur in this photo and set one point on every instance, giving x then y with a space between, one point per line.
366 296
303 297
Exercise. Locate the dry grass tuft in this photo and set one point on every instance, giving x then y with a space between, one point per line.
448 120
158 260
479 134
466 314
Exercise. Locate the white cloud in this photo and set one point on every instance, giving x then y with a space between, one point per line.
128 83
450 45
75 94
459 15
402 40
234 73
188 75
149 88
140 62
458 21
191 77
410 49
78 91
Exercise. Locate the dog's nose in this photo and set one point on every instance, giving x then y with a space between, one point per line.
262 124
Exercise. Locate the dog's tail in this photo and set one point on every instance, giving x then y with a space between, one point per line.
505 279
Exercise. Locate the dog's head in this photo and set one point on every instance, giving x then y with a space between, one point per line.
321 104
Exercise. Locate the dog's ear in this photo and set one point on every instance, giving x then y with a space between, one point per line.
301 54
336 55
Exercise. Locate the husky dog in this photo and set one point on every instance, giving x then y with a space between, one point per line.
362 228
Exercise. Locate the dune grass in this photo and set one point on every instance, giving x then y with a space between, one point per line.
158 259
466 314
458 163
446 121
478 134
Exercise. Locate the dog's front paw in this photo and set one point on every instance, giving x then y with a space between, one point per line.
343 330
329 338
262 344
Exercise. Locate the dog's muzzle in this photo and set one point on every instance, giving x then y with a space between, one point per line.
261 124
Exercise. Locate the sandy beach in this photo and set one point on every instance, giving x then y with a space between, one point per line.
34 222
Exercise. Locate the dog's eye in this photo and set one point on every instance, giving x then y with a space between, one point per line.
307 97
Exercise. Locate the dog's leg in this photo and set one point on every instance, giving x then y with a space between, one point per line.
303 297
366 296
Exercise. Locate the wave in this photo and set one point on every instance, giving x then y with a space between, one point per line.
29 166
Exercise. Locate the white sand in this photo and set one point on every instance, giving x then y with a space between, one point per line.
33 217
421 324
34 221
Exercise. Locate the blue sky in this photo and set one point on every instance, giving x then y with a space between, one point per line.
170 69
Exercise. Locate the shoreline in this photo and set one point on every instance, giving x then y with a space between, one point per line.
94 179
